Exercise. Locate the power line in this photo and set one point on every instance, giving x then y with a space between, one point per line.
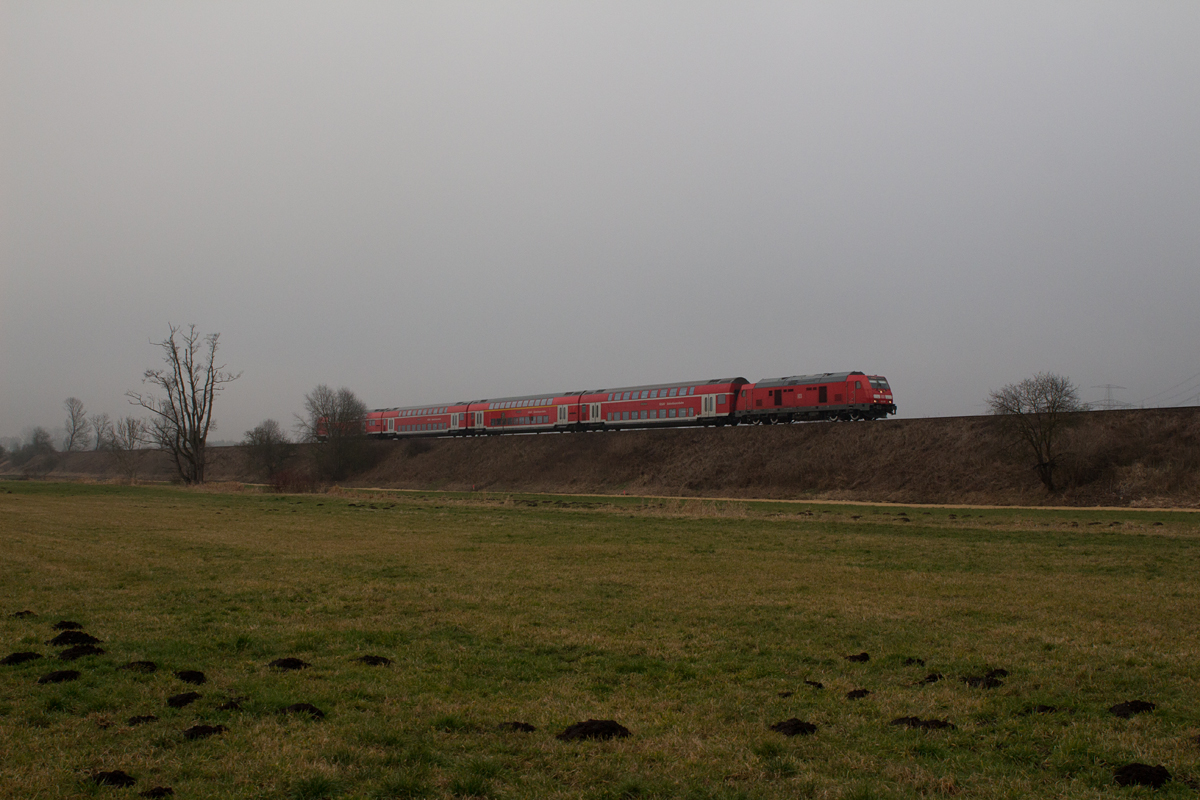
1172 389
1109 403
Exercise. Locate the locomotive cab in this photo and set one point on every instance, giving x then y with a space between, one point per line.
825 396
880 393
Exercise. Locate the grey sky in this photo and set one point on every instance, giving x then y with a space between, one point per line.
440 201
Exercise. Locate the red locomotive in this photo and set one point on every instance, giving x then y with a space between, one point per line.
722 401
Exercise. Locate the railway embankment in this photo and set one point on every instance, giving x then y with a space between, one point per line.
1145 458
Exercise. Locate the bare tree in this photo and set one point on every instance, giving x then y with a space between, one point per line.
77 425
37 456
268 447
182 416
101 428
333 421
127 440
1036 411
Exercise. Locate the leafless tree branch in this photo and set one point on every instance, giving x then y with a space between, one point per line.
126 440
182 415
334 422
77 425
1036 411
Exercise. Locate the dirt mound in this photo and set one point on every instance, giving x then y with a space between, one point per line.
922 724
996 673
158 791
192 676
857 694
932 677
1136 774
859 658
375 661
203 731
141 720
303 708
68 638
814 684
286 664
144 667
114 778
79 651
61 676
232 704
23 614
519 727
794 727
67 625
982 682
1130 707
19 658
594 729
785 694
181 700
914 662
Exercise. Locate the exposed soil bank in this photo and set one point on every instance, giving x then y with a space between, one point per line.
1116 458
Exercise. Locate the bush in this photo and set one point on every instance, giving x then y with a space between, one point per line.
293 481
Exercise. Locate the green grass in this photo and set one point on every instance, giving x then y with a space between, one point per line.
682 620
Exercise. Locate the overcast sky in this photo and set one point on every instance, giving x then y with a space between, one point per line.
431 202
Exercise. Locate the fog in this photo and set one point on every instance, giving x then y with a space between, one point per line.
433 202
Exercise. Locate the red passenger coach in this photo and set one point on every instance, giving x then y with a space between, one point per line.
399 423
529 414
710 402
830 395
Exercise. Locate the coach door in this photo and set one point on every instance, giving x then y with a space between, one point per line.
708 405
595 415
562 415
455 421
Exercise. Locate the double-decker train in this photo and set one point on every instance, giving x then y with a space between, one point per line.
721 401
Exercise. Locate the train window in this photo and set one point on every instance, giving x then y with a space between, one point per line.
645 394
671 413
672 393
653 393
692 390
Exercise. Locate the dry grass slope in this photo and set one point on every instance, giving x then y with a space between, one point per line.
1142 458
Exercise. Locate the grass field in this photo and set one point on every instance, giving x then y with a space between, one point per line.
687 622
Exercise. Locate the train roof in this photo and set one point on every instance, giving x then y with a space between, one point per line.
805 380
670 385
414 408
548 397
